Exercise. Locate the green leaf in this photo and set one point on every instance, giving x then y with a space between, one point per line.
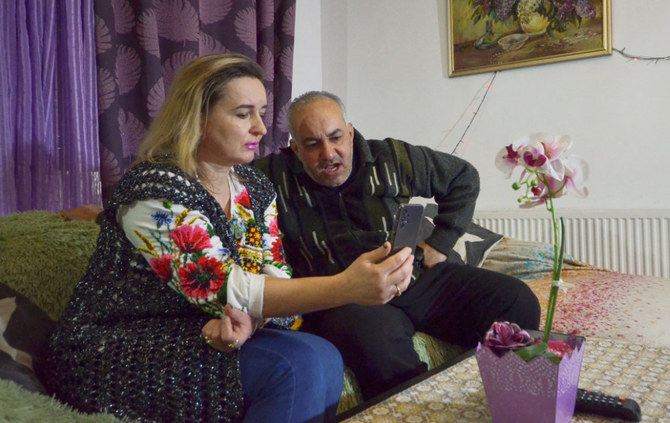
221 296
552 357
540 349
210 230
530 352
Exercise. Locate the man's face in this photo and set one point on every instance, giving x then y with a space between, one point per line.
324 142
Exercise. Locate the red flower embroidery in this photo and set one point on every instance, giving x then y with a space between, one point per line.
190 239
197 281
274 227
243 199
278 251
161 266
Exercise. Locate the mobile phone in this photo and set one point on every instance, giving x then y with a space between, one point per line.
406 227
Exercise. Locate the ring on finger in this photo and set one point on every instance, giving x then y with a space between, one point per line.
207 339
233 345
399 292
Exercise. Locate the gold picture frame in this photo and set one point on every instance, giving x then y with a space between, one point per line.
524 33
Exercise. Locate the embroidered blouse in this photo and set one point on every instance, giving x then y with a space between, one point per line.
185 252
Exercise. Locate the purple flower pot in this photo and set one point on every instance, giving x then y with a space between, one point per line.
536 391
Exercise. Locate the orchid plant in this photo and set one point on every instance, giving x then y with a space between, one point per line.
548 172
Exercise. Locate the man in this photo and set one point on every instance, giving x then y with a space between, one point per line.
337 195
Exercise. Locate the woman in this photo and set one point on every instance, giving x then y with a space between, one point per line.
168 322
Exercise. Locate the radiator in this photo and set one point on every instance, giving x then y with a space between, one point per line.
635 242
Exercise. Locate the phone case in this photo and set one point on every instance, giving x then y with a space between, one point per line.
406 227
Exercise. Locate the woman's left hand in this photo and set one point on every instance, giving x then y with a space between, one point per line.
230 331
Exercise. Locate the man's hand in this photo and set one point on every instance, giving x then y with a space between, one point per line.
431 256
375 277
230 331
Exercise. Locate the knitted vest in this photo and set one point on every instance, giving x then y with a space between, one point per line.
129 345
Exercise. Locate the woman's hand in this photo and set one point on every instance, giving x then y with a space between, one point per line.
375 277
230 331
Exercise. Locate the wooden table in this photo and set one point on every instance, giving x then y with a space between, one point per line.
456 394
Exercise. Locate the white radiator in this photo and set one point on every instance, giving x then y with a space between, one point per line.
635 241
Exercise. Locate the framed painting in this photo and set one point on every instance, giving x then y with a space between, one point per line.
491 35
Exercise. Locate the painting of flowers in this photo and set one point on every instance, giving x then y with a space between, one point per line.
491 35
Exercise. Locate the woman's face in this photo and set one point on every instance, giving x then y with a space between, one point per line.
234 126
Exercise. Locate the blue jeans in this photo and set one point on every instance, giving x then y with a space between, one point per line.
290 376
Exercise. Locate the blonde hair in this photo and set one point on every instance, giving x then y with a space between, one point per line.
175 134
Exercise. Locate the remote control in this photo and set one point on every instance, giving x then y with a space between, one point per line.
607 405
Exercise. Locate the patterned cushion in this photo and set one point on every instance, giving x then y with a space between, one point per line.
525 260
25 332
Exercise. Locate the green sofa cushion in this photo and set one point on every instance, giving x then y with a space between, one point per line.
43 256
18 405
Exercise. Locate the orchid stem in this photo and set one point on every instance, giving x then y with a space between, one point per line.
556 278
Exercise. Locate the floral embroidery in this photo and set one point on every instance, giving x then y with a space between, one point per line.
274 227
251 266
202 279
243 205
161 218
278 251
243 199
162 266
190 239
188 263
255 236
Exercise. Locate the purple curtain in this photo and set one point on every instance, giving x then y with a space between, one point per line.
142 44
48 113
80 81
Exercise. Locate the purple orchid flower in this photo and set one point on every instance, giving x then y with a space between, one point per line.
505 336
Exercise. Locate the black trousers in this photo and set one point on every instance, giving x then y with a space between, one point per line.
452 302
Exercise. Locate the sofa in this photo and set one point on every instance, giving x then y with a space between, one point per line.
43 255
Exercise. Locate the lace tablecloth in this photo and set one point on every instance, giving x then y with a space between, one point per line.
456 394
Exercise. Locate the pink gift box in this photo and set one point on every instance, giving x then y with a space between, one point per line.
536 391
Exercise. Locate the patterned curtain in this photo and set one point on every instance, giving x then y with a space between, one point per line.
142 44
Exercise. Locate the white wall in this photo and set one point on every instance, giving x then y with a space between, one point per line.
388 61
307 70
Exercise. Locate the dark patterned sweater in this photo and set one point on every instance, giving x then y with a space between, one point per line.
128 344
326 229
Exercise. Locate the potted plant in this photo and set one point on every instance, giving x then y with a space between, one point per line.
526 377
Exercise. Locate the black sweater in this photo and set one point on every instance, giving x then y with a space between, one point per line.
326 228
